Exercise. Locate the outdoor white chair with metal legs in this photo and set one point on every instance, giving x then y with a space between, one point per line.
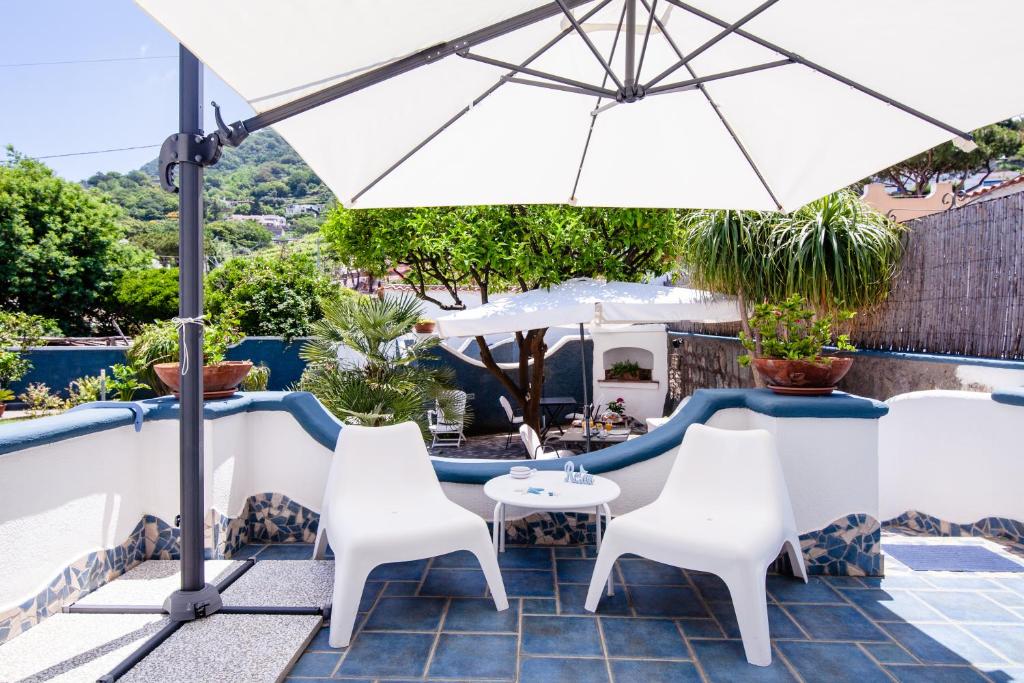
383 503
536 449
513 420
446 425
724 510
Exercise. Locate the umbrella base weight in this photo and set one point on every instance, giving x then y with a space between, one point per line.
190 605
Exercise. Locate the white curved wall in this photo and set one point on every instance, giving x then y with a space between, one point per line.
955 455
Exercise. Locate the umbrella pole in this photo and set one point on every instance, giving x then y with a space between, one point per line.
196 598
586 401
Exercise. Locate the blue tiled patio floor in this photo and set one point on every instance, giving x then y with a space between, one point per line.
432 621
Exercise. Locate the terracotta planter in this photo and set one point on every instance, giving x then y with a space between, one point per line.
3 407
802 377
425 328
219 381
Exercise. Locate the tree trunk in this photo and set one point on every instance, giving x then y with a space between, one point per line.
528 387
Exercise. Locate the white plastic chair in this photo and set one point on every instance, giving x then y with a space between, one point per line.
383 503
724 510
513 419
655 422
536 449
446 427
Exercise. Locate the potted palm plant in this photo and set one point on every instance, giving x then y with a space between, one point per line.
787 348
154 351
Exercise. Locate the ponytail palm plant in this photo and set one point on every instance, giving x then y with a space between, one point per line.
364 372
836 252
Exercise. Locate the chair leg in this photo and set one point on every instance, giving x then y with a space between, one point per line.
320 544
750 602
508 438
610 551
349 581
796 557
484 550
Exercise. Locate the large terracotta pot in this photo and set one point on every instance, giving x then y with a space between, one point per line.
3 407
802 377
219 381
425 327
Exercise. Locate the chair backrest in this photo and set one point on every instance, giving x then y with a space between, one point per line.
728 472
456 403
507 407
378 466
530 439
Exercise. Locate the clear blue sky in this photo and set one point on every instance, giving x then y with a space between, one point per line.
63 108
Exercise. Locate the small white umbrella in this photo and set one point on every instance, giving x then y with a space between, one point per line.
584 302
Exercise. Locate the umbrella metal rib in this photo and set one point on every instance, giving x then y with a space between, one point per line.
729 30
480 98
825 71
580 85
694 82
647 38
590 44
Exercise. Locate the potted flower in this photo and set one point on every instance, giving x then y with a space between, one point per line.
616 411
5 396
424 326
154 352
787 348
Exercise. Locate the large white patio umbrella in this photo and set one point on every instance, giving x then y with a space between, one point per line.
753 104
671 103
586 302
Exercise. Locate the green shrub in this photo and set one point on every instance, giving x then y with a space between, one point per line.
158 343
83 390
18 332
791 330
39 400
144 296
257 379
271 296
124 381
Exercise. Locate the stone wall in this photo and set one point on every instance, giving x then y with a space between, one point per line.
699 361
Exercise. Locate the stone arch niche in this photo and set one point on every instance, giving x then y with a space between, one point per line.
646 345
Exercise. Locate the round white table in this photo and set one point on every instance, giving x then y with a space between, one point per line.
556 495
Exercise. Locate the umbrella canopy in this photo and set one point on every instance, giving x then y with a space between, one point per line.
701 103
586 301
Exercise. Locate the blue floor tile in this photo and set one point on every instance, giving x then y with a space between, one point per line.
889 653
724 662
479 614
891 605
463 655
789 589
316 664
569 551
711 587
399 571
647 638
549 635
1005 639
779 624
401 588
639 671
941 644
406 614
833 662
460 559
575 571
700 628
370 593
320 641
936 674
248 550
967 606
573 596
387 655
465 583
287 551
525 558
960 583
562 670
666 601
828 622
539 606
649 572
529 583
1006 598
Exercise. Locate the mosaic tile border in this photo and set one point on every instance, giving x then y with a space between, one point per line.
918 523
849 546
265 517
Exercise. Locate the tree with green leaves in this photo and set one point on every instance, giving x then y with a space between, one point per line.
997 143
360 372
505 248
269 295
62 247
18 332
145 296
